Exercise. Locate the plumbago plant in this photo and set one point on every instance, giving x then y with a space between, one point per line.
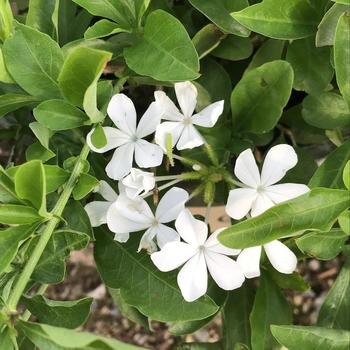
237 100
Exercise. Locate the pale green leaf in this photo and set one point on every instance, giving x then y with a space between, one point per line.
12 102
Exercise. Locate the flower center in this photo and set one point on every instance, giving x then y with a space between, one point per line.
187 121
260 189
155 222
134 138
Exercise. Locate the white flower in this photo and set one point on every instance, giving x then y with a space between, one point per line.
198 253
128 140
138 182
97 210
180 126
259 195
132 215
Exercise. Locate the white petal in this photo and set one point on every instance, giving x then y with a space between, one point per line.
281 257
121 162
186 94
123 114
122 237
284 192
106 191
115 138
168 109
279 159
193 278
149 121
249 261
239 202
261 204
166 235
172 128
172 256
209 115
147 154
190 138
138 181
147 242
171 204
191 230
97 212
226 272
212 244
246 169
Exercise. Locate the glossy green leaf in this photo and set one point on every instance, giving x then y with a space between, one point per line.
219 12
285 19
60 115
259 97
166 54
84 186
68 314
346 175
98 137
315 210
323 245
34 61
42 133
341 56
6 19
13 214
344 221
142 285
55 177
30 184
293 281
310 338
5 339
12 102
327 110
38 151
329 173
102 28
7 188
4 74
234 48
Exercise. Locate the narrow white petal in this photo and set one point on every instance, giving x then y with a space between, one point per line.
172 256
246 169
209 115
147 240
138 182
249 261
261 204
115 138
149 121
186 94
172 128
190 138
226 272
106 191
212 244
168 109
123 114
171 204
166 235
147 154
97 212
122 237
121 162
281 257
279 159
191 230
284 192
193 278
239 202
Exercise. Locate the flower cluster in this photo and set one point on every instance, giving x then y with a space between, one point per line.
171 234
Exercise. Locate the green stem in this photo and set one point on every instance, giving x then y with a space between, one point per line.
46 234
167 177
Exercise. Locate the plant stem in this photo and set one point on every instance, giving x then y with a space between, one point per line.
46 234
207 212
167 177
236 183
163 187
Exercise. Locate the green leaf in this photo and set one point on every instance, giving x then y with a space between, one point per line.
283 19
315 210
166 54
30 184
293 281
344 221
7 188
55 338
202 346
312 68
335 310
98 137
341 56
12 102
42 133
51 266
323 245
4 74
259 97
80 88
103 28
270 307
6 339
327 110
329 173
310 338
34 61
85 185
38 151
234 48
6 19
219 12
55 177
236 327
346 175
68 314
12 214
345 2
142 285
10 240
60 115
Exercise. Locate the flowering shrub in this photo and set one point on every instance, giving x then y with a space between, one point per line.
236 116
